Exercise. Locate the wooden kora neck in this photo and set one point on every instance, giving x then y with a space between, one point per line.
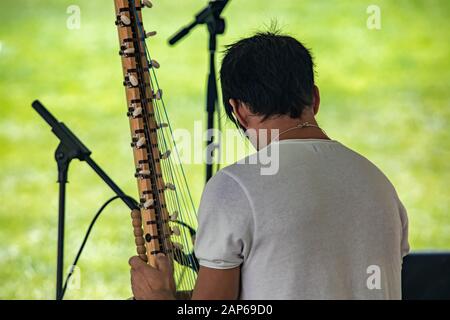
151 227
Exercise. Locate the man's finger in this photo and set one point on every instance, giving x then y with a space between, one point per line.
163 263
141 281
135 262
140 267
139 290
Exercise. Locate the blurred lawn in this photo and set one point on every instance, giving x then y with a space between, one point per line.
384 93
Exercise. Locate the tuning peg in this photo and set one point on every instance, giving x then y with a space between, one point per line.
142 173
174 216
176 231
165 155
124 19
150 34
170 186
136 112
147 204
146 3
128 51
155 64
133 80
140 142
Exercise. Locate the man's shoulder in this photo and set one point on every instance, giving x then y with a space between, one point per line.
240 170
369 165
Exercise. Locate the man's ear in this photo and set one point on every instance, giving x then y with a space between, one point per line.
316 99
240 111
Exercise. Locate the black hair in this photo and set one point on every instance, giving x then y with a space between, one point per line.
272 73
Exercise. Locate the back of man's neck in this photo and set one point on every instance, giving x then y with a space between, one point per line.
288 129
304 133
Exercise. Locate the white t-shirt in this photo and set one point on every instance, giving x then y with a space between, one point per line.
327 225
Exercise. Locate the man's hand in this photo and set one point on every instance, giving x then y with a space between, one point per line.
150 283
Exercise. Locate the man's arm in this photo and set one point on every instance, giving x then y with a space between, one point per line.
223 239
217 284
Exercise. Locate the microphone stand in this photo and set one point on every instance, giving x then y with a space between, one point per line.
69 148
210 16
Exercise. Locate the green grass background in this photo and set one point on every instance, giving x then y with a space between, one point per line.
385 93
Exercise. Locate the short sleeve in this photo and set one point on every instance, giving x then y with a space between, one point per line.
404 221
223 237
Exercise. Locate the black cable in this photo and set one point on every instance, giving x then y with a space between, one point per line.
72 269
